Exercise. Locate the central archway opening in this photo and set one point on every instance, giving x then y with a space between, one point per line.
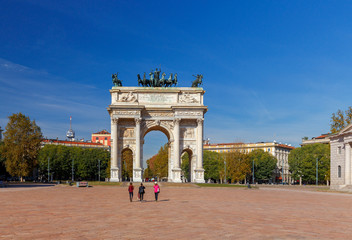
156 155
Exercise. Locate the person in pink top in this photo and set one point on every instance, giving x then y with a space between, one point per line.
156 191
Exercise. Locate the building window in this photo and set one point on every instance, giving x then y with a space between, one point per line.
268 149
106 138
339 171
339 150
97 138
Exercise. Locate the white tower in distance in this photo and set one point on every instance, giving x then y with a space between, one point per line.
70 133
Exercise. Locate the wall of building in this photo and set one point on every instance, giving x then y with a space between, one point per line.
337 152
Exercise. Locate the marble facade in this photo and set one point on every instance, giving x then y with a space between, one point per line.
177 112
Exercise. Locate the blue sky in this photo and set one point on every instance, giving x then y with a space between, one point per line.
273 70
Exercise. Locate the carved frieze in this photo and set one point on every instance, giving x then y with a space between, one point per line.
168 124
128 97
158 114
188 98
127 133
187 132
126 112
189 114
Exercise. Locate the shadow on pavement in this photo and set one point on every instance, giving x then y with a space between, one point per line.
28 185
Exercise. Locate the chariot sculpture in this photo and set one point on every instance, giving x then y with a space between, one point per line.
155 80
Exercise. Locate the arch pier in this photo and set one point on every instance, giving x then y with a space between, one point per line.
177 112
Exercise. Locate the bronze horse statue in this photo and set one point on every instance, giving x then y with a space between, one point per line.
116 81
198 81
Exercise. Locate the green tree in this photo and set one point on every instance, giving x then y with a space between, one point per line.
85 162
22 140
303 162
185 166
212 164
264 164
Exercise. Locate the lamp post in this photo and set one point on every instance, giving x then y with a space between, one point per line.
48 169
316 172
99 168
225 169
73 173
253 172
282 171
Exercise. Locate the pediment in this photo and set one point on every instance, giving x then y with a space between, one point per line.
347 129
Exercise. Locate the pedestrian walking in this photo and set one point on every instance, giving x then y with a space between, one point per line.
141 192
130 190
156 191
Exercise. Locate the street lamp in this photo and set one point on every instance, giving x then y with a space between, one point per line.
253 172
225 168
48 168
99 168
282 171
316 172
73 173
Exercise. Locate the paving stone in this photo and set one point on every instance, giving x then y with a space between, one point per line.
101 212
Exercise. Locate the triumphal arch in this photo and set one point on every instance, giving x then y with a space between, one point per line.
178 112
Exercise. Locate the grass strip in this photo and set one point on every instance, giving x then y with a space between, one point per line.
221 185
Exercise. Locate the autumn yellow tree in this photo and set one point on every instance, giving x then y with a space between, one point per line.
340 119
127 164
158 164
238 166
22 140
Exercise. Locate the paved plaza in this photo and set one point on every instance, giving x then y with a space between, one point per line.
105 212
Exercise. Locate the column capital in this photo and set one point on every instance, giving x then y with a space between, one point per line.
200 120
177 121
138 120
115 120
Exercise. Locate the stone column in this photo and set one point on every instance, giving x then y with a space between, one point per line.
177 143
176 171
114 172
199 172
137 170
347 164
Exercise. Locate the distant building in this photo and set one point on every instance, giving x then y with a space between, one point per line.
341 159
278 150
73 144
103 137
323 138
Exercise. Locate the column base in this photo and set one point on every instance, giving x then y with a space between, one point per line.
199 175
176 175
114 175
137 175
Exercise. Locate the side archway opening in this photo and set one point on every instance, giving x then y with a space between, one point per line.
127 164
186 165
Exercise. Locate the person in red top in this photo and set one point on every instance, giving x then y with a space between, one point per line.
130 190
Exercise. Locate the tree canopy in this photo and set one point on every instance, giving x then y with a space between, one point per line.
61 160
22 138
157 166
264 164
340 120
303 160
